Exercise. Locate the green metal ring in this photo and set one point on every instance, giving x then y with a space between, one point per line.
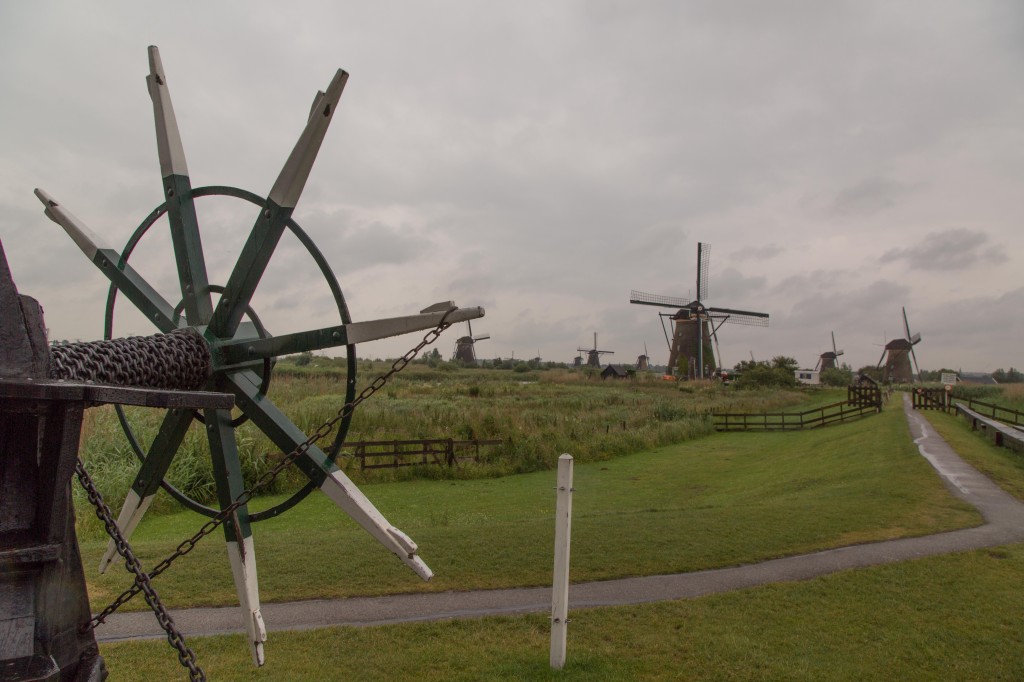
339 298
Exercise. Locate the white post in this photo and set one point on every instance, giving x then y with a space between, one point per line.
560 586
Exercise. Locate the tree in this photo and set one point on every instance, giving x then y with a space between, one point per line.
303 358
761 375
785 362
871 371
837 376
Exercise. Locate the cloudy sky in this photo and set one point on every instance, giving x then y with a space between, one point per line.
542 159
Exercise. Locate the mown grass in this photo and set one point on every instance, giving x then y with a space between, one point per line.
952 617
943 618
538 415
723 500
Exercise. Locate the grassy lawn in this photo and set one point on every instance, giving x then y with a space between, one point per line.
726 499
953 617
729 498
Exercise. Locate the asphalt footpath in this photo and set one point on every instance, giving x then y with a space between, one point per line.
1004 524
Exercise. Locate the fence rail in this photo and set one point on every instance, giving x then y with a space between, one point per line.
793 421
999 433
931 399
391 454
992 410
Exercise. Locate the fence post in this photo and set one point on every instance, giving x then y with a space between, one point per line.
560 584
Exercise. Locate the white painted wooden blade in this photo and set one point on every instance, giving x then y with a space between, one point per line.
132 511
292 180
915 339
85 238
361 332
344 493
168 139
243 568
441 307
316 103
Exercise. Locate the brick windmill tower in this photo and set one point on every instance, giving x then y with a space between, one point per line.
465 351
895 362
694 325
593 354
643 362
829 359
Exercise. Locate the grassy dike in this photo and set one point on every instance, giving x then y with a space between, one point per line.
724 500
952 617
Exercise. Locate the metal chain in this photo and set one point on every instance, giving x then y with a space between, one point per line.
268 476
186 656
178 360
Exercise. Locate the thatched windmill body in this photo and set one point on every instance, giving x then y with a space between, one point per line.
829 359
465 350
643 362
694 325
593 354
897 356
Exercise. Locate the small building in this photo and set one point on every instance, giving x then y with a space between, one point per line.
615 372
811 377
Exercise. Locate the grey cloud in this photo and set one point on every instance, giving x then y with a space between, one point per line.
868 197
957 249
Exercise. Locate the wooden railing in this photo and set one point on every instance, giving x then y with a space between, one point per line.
931 399
999 433
793 421
391 454
998 412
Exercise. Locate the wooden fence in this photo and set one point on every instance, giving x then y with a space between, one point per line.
391 454
793 421
998 412
931 399
1001 434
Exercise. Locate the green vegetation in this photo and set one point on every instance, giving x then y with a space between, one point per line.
724 500
778 373
951 617
1002 465
539 414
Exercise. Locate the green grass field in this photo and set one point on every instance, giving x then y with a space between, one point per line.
721 500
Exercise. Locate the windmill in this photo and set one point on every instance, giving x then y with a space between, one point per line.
694 324
593 354
643 362
829 359
898 353
464 346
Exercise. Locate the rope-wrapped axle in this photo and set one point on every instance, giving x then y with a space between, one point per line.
178 360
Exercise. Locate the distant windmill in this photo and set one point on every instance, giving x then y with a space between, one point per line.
898 353
829 359
464 346
643 362
695 325
593 354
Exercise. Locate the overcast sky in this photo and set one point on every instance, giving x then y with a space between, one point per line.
542 159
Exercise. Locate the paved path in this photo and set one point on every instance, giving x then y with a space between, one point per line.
1004 524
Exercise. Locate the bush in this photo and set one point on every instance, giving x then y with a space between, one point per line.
762 376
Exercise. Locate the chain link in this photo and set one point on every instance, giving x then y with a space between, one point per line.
186 656
267 478
178 360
